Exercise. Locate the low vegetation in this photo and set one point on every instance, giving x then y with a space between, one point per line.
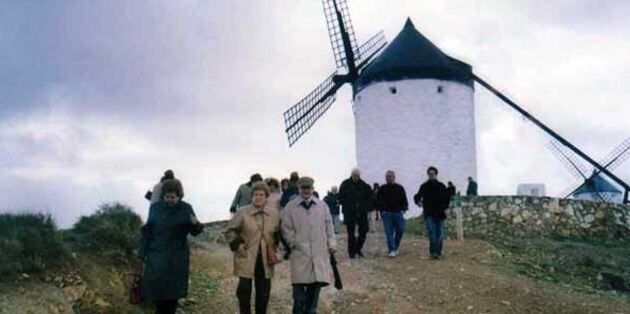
112 231
32 243
583 264
29 243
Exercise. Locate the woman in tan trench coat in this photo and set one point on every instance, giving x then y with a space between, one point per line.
254 233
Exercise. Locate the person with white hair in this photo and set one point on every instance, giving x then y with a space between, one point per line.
356 201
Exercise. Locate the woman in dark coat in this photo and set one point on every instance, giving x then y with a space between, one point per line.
164 248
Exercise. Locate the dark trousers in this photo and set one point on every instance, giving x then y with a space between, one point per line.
352 222
435 229
394 223
305 297
263 289
165 306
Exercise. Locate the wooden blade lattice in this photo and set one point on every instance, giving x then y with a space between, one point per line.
334 30
371 47
301 117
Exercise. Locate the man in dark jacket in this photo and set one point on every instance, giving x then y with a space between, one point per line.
434 199
332 200
472 187
391 200
291 191
356 202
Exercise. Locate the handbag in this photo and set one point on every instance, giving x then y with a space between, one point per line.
272 256
135 296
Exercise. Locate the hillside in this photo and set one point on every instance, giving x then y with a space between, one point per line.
471 279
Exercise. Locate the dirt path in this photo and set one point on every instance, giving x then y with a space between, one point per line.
464 282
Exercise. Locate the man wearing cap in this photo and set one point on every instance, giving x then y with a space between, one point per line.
307 228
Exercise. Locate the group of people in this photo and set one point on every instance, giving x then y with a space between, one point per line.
268 213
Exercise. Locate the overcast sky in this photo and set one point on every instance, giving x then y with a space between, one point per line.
98 98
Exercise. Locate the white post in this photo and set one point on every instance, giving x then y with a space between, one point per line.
459 223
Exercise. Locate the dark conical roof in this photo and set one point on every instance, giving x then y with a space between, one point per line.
597 183
411 55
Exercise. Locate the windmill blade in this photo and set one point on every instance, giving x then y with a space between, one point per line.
617 156
336 29
370 48
301 117
574 168
573 159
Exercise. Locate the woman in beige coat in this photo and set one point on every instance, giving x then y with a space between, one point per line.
307 228
253 233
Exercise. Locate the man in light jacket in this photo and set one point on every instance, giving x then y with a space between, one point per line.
307 228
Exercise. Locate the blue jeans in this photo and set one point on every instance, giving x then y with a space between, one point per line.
335 220
435 228
394 224
305 298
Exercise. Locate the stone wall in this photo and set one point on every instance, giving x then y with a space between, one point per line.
540 216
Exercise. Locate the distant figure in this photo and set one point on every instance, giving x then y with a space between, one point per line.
243 195
356 202
392 202
374 215
273 201
291 191
164 248
451 190
434 199
154 195
472 187
332 200
307 227
254 233
284 184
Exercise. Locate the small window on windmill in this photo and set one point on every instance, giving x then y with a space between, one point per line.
393 90
440 89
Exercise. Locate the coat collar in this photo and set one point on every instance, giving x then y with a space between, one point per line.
252 211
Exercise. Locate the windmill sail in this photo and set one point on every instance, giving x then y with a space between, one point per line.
301 117
335 28
370 48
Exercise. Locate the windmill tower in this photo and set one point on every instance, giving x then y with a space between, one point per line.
413 105
414 108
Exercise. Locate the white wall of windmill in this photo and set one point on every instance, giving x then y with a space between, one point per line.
424 122
614 197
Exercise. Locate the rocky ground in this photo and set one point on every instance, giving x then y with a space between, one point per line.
466 281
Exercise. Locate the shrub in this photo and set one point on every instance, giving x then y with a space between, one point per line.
113 230
29 243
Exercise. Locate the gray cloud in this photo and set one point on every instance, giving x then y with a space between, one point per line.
98 98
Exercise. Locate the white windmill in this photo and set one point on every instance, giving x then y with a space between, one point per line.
413 105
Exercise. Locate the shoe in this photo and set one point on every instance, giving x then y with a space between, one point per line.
352 257
396 252
360 254
392 254
434 256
